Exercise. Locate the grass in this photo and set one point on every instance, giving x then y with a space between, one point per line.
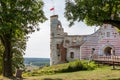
54 73
103 73
67 67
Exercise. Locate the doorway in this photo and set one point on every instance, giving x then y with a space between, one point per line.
107 51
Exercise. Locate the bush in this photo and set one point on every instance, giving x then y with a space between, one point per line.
79 65
75 66
92 65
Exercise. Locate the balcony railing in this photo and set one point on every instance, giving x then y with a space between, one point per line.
107 58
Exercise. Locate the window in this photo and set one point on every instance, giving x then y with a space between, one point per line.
58 46
72 55
52 34
108 34
67 41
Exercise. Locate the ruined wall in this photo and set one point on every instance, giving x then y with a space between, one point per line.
56 37
57 54
72 43
66 47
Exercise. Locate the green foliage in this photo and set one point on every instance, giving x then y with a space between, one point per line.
60 68
17 62
18 18
79 65
17 59
93 12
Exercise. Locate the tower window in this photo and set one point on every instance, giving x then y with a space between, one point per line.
67 41
57 46
52 34
71 54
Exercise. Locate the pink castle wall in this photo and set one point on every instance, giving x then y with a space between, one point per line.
99 41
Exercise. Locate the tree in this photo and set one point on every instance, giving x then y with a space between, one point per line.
19 46
18 18
1 53
93 12
17 51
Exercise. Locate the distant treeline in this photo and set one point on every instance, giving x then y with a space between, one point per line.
37 61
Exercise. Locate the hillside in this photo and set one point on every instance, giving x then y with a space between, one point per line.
61 68
104 73
77 70
37 61
68 72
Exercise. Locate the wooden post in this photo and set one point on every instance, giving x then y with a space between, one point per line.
19 73
113 65
112 56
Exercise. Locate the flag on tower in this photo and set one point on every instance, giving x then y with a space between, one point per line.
51 9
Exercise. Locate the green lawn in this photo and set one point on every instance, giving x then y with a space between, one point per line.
56 72
104 73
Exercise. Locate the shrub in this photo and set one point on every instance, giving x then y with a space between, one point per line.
79 65
92 65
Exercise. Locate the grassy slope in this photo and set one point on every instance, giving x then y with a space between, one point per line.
101 73
104 73
60 68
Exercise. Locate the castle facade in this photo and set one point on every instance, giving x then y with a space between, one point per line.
64 48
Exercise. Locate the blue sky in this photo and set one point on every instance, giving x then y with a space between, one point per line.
38 45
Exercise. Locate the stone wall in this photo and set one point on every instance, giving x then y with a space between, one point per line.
66 47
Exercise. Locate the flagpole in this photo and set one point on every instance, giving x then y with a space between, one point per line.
53 10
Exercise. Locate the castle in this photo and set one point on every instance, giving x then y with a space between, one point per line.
105 42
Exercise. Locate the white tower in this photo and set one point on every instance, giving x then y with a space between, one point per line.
56 37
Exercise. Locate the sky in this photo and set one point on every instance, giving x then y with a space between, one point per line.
38 45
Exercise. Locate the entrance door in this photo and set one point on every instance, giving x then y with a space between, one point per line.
107 51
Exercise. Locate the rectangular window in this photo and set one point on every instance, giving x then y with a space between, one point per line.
108 34
58 46
72 55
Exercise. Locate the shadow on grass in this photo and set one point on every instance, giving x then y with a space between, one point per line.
115 69
52 79
114 79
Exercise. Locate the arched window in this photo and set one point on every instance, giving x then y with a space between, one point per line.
71 54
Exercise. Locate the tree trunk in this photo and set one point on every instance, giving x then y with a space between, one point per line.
7 58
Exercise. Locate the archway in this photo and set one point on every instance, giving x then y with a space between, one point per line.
107 51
